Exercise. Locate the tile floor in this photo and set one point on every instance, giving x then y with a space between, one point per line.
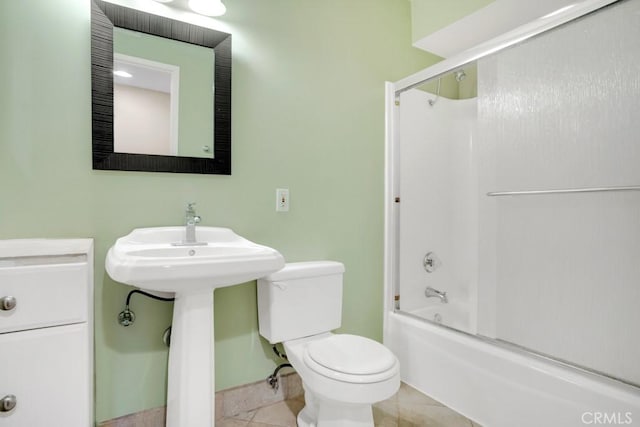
407 408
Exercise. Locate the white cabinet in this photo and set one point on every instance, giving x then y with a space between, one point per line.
46 339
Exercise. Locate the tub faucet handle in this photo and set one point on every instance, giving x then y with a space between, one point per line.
431 262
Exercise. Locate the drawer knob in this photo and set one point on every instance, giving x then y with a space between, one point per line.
8 303
8 403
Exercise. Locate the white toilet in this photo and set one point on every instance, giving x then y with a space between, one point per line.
342 375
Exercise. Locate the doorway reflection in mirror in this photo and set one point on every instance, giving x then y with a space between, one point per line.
166 106
145 102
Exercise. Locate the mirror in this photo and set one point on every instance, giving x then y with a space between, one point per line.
161 93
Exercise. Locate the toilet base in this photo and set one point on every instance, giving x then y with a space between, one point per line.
304 420
319 412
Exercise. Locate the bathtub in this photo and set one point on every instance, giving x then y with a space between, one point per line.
502 387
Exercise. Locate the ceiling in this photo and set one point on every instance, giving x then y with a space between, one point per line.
491 21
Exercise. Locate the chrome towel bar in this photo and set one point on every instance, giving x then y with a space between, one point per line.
563 191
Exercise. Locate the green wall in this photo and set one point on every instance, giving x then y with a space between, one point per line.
308 114
428 16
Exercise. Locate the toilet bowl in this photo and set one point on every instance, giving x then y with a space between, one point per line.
342 374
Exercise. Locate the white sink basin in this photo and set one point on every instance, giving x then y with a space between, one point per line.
157 260
150 259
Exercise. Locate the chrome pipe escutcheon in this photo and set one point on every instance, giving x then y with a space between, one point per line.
8 303
8 403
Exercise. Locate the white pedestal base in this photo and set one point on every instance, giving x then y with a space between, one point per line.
191 388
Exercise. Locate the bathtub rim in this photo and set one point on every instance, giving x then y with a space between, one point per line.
577 375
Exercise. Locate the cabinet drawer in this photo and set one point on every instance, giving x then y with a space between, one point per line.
46 295
47 370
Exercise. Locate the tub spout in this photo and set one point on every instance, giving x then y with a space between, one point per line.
431 293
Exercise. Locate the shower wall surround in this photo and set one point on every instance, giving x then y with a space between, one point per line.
49 189
438 211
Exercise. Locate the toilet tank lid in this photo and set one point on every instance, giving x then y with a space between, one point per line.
297 270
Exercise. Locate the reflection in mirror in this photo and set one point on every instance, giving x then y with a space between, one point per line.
145 110
182 75
166 106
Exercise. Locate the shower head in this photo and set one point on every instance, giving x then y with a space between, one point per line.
460 75
433 101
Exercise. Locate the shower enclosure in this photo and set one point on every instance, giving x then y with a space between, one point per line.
513 222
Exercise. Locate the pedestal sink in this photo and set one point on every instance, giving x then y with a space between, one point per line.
155 259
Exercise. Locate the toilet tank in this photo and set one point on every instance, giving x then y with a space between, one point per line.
302 299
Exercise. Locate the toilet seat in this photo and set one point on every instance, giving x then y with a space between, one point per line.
350 358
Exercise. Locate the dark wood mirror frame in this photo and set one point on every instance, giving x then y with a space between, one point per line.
105 16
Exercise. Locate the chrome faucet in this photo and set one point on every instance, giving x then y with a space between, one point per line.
191 219
430 293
